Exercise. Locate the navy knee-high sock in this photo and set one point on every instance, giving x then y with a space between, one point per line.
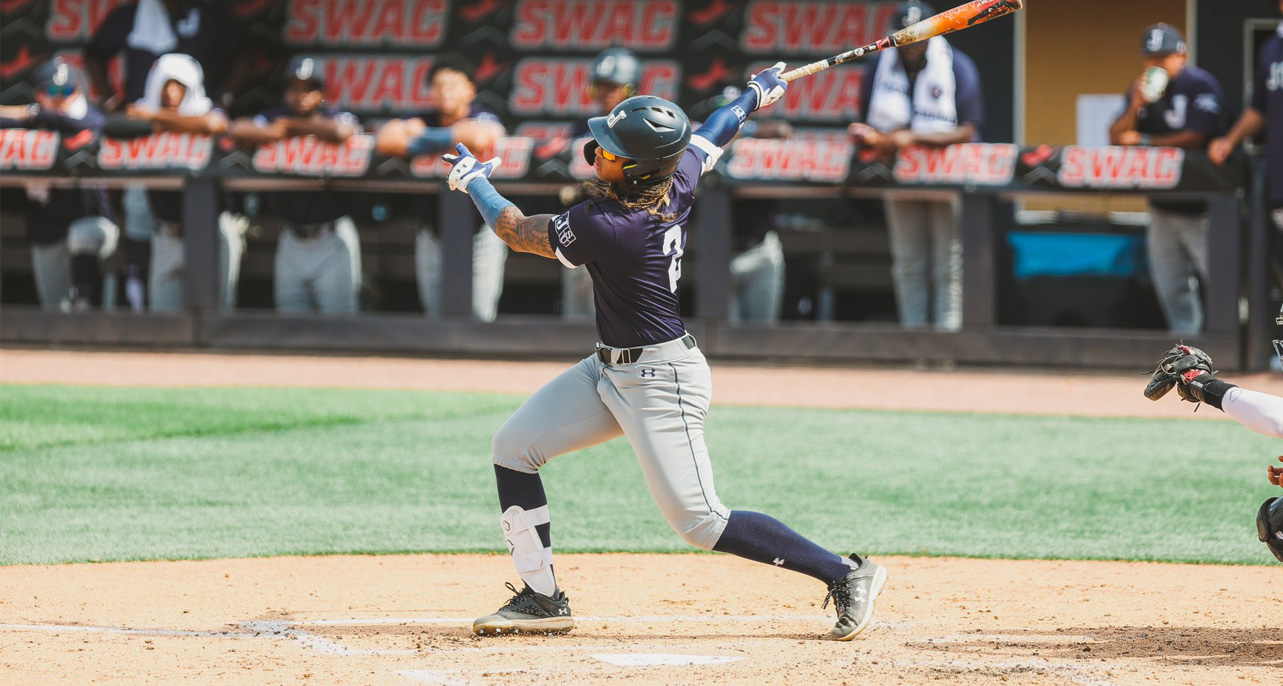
761 538
526 491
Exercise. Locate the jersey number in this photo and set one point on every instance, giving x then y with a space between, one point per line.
673 247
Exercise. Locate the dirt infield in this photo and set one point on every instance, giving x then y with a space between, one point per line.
672 619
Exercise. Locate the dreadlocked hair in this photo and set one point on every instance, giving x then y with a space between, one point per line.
650 198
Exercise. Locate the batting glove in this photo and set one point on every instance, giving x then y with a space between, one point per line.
768 85
467 168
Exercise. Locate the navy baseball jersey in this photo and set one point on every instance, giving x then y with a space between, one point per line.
1192 102
50 210
206 31
634 257
1267 98
307 207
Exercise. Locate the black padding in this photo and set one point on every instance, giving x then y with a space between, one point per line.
1269 525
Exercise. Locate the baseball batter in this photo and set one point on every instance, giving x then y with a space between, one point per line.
647 379
1189 371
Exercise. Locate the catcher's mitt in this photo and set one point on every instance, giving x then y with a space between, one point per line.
1179 368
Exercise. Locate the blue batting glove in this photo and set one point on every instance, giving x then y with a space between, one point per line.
768 85
467 168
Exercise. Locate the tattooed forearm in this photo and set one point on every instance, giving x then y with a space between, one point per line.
525 234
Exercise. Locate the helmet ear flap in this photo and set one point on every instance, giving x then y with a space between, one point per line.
590 152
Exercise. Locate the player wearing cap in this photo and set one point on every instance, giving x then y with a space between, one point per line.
70 229
175 102
318 256
1264 114
456 118
922 94
1173 104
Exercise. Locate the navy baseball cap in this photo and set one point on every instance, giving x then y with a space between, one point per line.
56 77
305 69
1161 40
911 12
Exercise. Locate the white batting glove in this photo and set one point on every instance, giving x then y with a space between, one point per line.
467 168
768 84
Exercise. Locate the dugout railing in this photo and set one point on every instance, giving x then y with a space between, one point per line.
1238 326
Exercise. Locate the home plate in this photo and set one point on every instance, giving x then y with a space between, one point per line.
653 659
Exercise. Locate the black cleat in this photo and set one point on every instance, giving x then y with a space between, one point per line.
853 596
528 613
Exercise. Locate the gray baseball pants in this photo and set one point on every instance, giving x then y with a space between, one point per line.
1177 246
659 402
319 274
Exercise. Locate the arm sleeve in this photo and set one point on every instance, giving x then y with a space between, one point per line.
1205 110
721 126
1261 82
48 119
969 97
1260 412
583 234
112 33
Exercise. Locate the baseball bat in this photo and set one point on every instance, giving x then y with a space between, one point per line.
961 17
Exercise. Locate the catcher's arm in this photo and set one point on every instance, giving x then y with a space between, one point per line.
1189 371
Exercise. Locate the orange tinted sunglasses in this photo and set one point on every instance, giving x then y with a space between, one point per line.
606 155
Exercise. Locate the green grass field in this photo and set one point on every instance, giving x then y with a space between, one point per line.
133 474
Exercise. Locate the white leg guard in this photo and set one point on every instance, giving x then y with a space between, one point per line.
533 560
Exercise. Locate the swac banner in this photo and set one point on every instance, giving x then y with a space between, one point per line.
639 25
787 27
559 86
158 151
349 24
822 161
1119 167
28 150
971 164
309 156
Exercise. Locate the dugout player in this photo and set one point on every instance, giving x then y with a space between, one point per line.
456 118
1189 370
1264 114
175 101
1186 114
139 33
70 229
318 256
922 94
647 379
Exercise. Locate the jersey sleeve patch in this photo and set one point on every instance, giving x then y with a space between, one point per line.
584 233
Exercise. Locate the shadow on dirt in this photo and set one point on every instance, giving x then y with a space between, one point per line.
1170 644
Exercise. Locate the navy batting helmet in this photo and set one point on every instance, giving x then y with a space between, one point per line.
651 132
616 65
